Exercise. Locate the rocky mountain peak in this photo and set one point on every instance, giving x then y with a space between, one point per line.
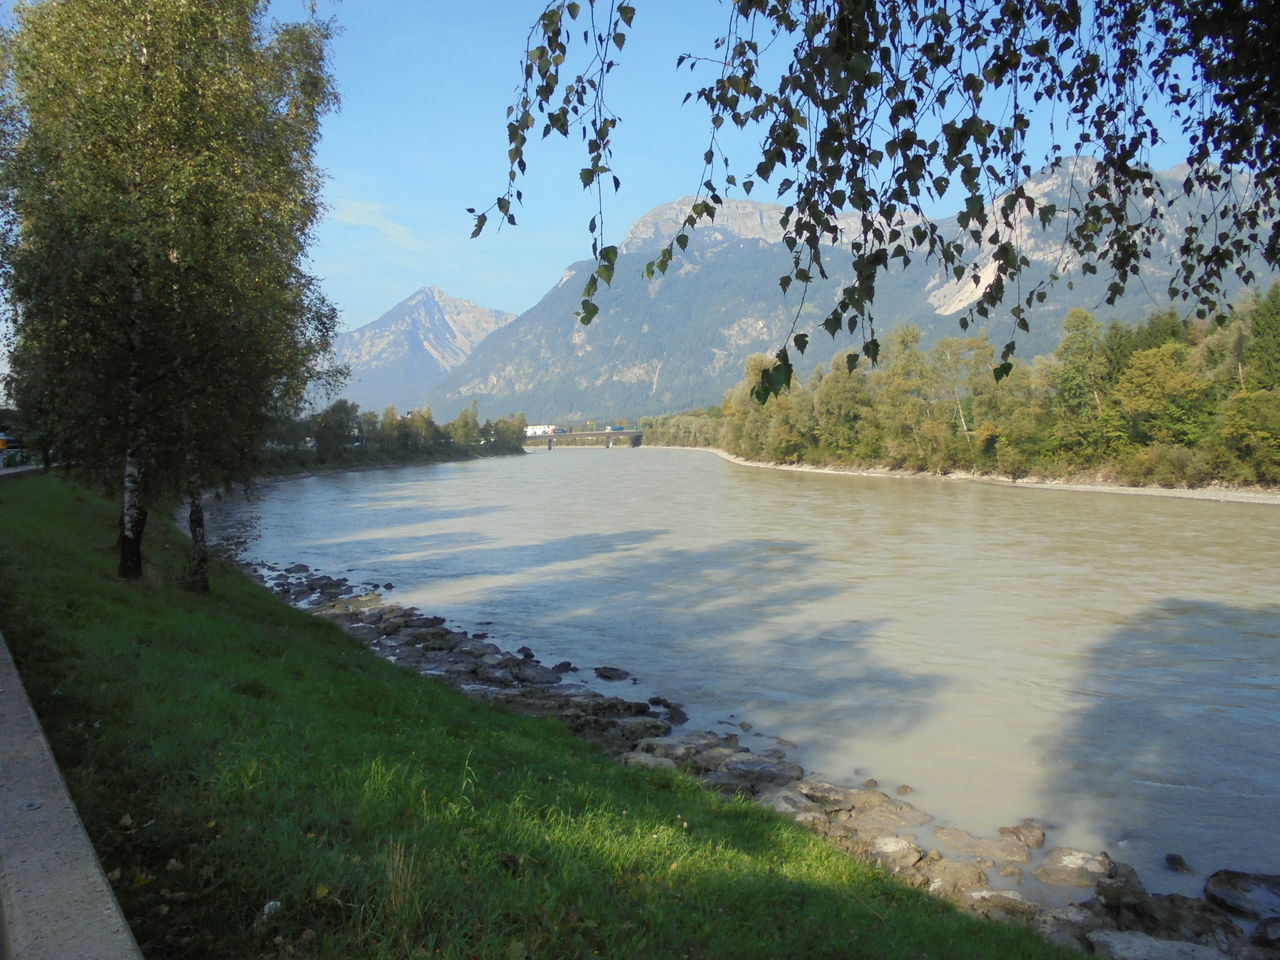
744 219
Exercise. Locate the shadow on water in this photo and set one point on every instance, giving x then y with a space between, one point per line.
705 639
1178 746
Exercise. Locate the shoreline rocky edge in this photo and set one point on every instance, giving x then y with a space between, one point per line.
1238 915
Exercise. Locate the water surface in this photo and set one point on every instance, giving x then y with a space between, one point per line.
1108 664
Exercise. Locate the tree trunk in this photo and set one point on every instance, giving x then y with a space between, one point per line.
133 519
198 562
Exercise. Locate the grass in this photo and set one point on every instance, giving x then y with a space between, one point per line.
259 785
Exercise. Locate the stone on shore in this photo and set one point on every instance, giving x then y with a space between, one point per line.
1131 945
1007 906
1066 867
1028 832
1254 896
759 770
651 761
992 848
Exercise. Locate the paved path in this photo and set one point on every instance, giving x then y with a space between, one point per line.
55 904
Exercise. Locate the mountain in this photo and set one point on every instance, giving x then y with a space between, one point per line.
680 340
400 358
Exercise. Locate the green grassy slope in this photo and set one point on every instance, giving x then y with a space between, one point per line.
228 752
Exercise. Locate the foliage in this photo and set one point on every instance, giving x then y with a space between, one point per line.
887 110
1163 404
340 435
226 751
161 190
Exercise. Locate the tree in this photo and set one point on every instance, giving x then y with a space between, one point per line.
888 107
1165 398
334 428
161 190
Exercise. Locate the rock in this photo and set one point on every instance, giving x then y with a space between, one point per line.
684 747
1123 902
952 879
903 790
675 712
425 623
564 666
611 673
434 638
476 648
1069 926
297 568
896 854
886 816
727 783
365 632
1028 832
711 759
871 783
1011 871
536 673
496 674
525 652
652 761
790 802
757 769
833 798
1250 895
620 733
1004 905
1131 945
1176 863
1267 933
995 848
388 586
1065 867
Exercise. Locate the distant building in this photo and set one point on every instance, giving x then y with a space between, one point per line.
540 430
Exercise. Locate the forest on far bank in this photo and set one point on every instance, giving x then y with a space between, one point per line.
1166 403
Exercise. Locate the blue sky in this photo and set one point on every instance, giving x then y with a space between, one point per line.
421 136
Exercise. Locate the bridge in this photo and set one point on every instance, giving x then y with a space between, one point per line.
633 437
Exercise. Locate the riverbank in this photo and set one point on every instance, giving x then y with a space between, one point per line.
1222 493
1081 899
257 784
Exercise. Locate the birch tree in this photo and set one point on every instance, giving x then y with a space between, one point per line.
161 190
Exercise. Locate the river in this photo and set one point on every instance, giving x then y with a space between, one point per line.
1107 664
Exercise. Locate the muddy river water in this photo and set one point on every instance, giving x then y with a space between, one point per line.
1108 664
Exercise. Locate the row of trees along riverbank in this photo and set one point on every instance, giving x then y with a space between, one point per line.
1167 403
342 435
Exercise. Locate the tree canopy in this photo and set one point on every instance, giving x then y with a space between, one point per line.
887 108
160 191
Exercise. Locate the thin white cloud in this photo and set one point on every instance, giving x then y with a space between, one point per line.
377 217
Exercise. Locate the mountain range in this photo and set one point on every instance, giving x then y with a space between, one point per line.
680 340
401 358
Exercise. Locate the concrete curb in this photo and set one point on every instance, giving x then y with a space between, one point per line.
55 903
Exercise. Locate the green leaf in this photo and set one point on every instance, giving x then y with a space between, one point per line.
801 340
587 313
